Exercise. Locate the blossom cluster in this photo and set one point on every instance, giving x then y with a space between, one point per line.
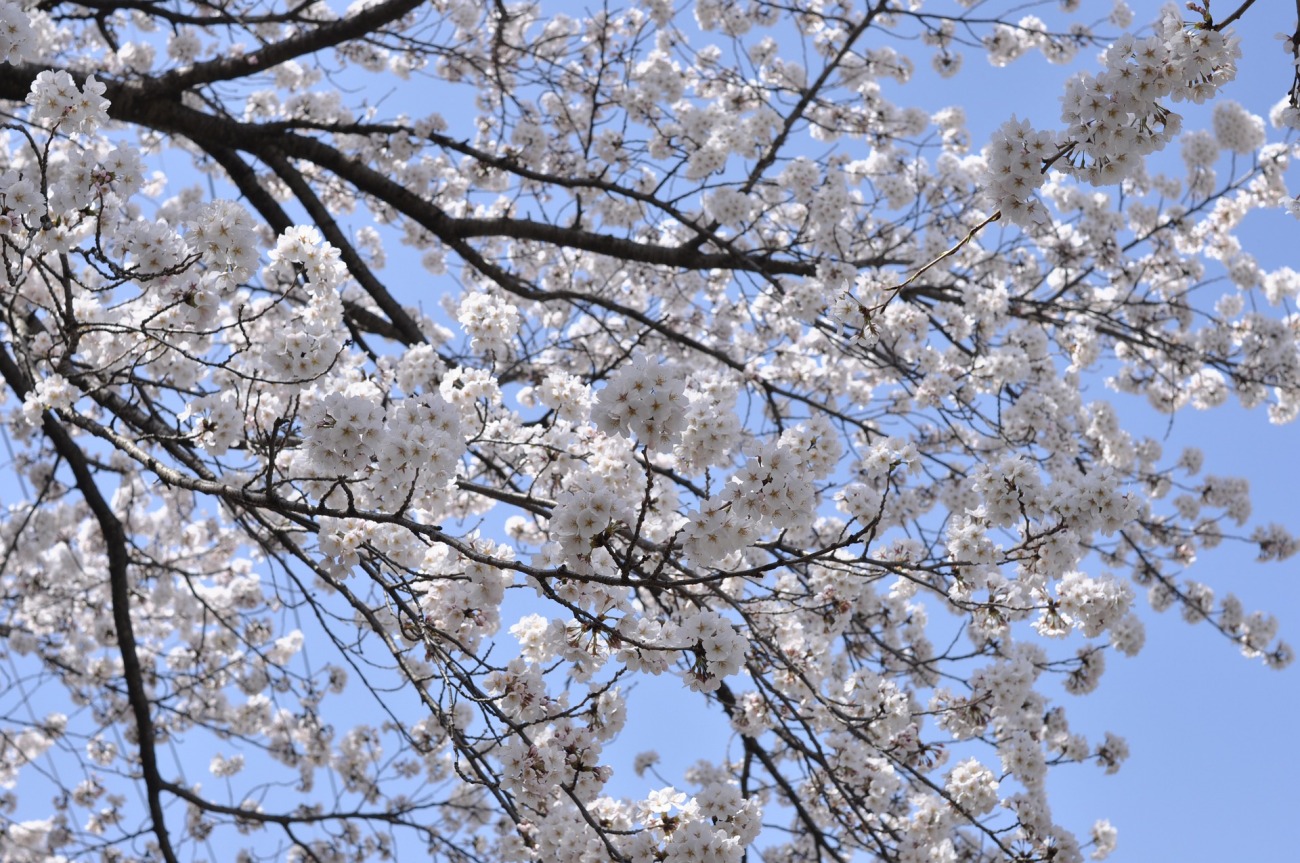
644 399
1115 118
58 101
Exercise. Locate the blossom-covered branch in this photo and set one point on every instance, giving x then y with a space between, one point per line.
392 390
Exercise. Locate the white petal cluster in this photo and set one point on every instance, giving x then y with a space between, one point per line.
222 232
1015 171
973 787
730 207
773 490
404 452
719 649
1105 838
17 41
308 346
585 511
1115 118
646 400
57 101
490 321
1236 129
713 433
1093 605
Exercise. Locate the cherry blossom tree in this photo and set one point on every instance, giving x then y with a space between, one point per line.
390 388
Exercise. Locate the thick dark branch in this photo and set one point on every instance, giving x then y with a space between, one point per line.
318 38
321 217
400 327
447 228
115 544
140 104
155 9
